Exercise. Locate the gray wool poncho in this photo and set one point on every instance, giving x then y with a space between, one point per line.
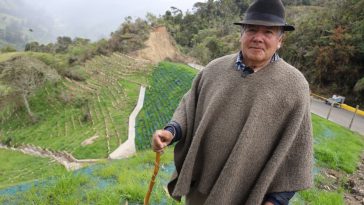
243 137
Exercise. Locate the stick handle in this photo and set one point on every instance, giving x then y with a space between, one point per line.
152 182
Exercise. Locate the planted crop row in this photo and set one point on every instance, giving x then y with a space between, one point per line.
169 82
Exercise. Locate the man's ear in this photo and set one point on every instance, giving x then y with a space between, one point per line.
280 42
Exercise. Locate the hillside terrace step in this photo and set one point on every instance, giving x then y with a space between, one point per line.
62 157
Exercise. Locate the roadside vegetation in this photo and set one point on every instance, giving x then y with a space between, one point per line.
337 153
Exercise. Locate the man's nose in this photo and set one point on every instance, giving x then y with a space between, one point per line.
258 37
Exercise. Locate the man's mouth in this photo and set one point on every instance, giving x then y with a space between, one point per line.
256 48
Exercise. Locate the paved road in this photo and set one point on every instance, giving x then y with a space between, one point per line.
339 116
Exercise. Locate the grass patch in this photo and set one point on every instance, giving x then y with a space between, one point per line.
130 181
7 56
321 197
336 147
17 167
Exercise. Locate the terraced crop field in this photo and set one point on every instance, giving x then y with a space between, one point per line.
169 82
69 112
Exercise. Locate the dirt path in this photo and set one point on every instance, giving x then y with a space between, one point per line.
64 158
356 186
196 66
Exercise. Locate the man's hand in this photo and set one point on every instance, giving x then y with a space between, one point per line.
161 138
268 203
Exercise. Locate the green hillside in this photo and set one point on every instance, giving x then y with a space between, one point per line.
336 148
72 111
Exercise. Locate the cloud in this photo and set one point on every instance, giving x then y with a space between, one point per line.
94 18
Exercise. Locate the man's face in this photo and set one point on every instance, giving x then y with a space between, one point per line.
259 43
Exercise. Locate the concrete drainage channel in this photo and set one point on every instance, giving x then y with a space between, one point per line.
128 148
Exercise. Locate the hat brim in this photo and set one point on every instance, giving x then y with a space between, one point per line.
286 27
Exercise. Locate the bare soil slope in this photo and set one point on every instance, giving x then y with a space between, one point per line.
161 46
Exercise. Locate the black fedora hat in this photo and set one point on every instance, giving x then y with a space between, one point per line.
266 13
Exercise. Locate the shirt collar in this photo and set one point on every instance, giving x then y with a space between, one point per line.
239 65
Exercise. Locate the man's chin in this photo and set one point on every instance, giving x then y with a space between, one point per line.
255 58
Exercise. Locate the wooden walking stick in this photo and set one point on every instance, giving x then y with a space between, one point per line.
152 182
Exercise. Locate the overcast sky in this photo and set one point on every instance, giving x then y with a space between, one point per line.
98 18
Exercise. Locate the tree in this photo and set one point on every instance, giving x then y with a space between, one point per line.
62 44
24 75
130 36
32 46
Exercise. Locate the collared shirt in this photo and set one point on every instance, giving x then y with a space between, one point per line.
245 70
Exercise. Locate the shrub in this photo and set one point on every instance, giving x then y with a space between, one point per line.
8 49
75 73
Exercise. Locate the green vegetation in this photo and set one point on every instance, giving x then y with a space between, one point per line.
329 150
110 183
7 56
130 37
56 61
7 49
330 53
337 148
169 82
320 197
117 181
17 167
70 112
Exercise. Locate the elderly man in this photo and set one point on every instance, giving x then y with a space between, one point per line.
243 129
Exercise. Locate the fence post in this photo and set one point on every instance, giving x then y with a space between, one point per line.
352 119
328 114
